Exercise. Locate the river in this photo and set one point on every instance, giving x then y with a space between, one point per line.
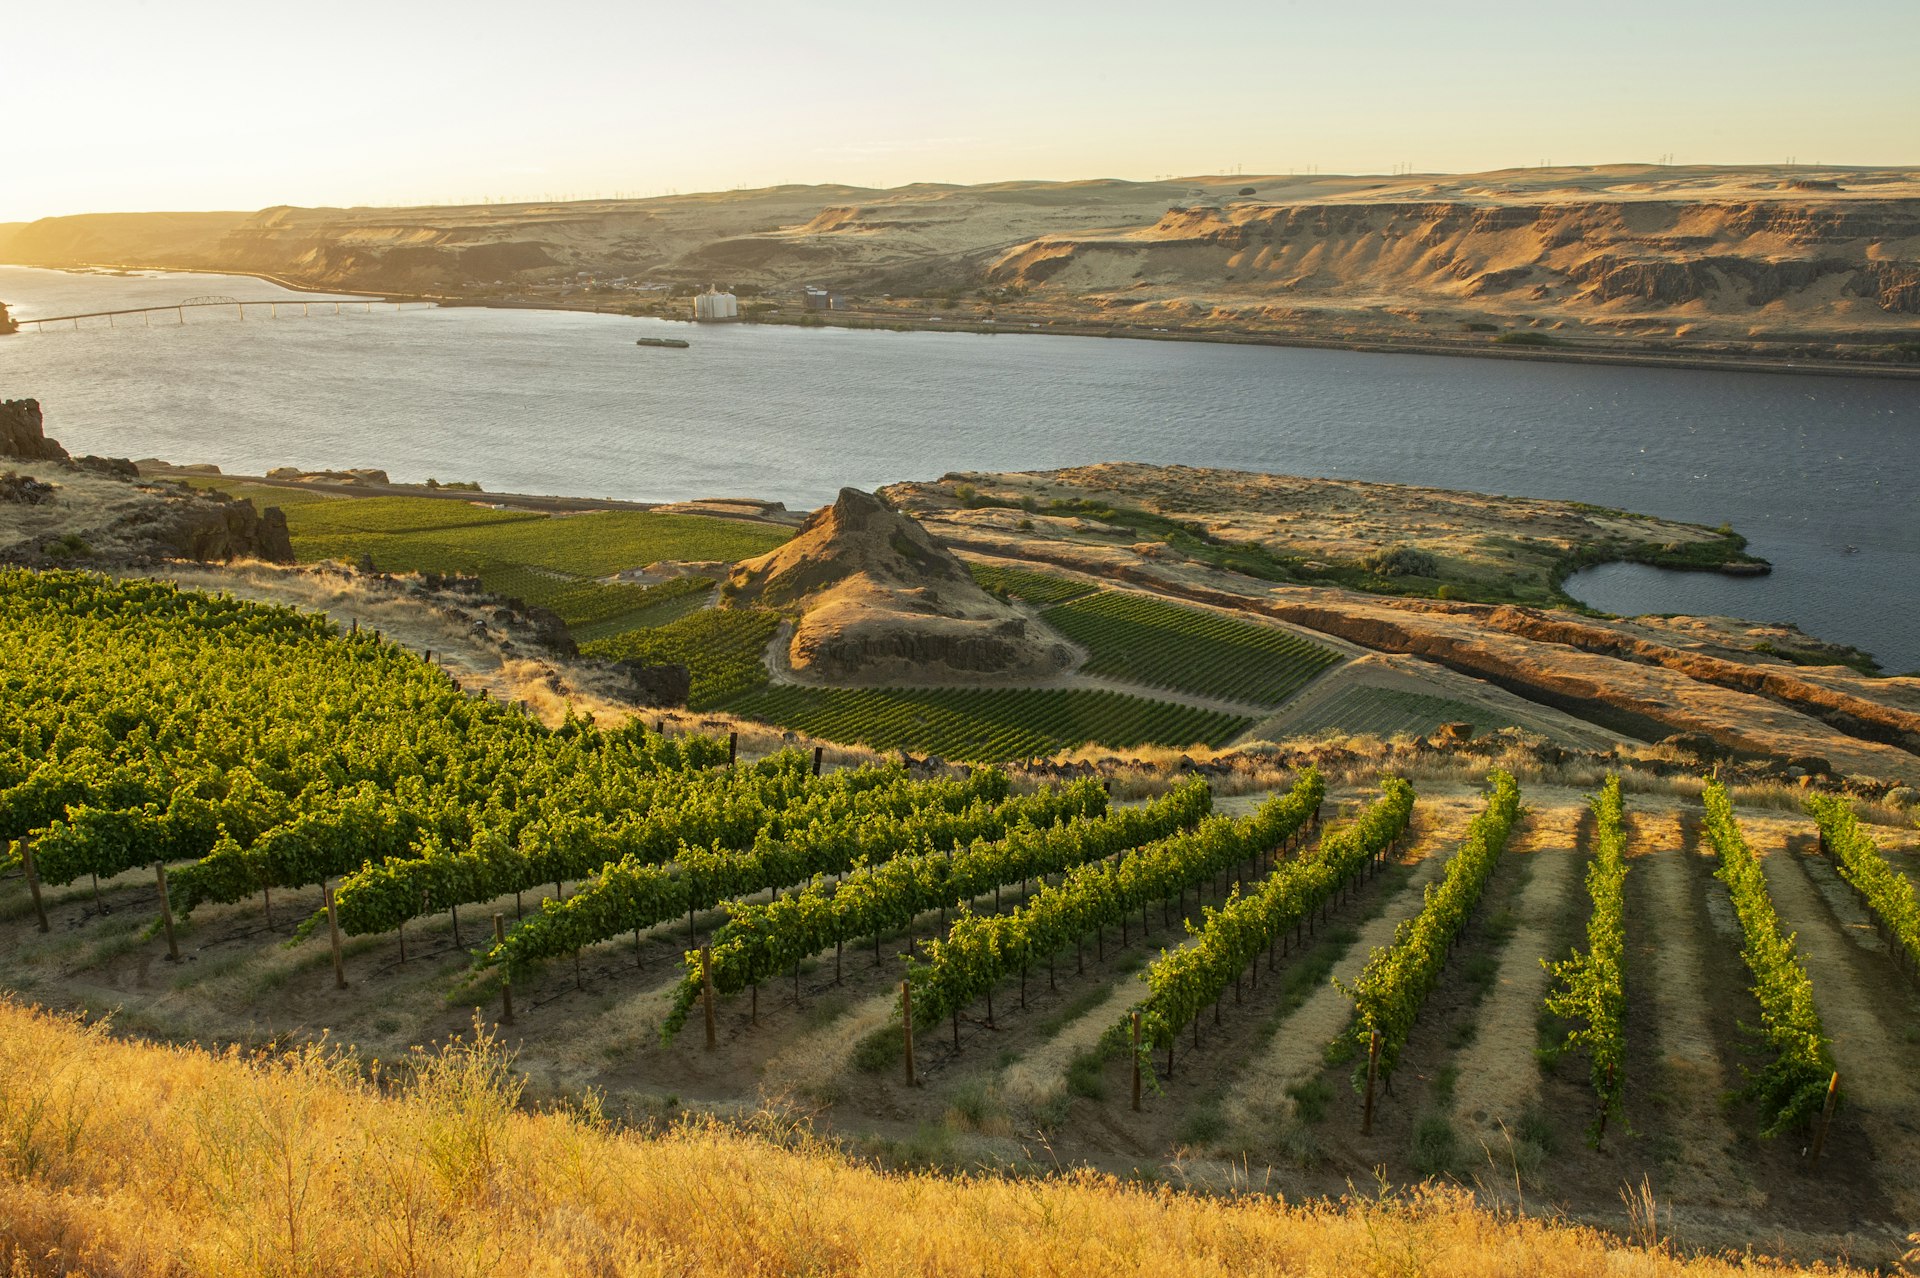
1820 473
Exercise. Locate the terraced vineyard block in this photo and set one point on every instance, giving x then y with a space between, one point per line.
1386 712
724 648
1146 640
986 725
658 605
1029 587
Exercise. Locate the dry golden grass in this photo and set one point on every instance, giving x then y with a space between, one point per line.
131 1159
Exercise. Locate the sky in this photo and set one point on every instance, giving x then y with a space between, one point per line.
117 105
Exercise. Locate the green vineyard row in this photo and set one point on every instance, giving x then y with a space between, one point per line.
1887 893
1792 1087
629 895
1184 981
980 951
1589 989
1394 985
718 813
724 649
986 725
1029 587
760 939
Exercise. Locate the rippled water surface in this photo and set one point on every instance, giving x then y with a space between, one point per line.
1820 473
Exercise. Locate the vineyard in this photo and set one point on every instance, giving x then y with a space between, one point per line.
550 561
1145 640
1548 990
1040 588
1590 987
724 649
1383 712
986 725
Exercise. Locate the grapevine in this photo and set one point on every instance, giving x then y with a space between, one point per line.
1391 989
1186 980
761 939
982 950
630 894
1589 988
1792 1087
1886 892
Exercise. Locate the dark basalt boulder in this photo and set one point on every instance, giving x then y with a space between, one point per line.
24 490
663 685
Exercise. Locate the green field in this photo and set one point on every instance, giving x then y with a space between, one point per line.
262 495
398 515
985 725
654 606
1386 712
549 561
1029 587
1146 640
722 647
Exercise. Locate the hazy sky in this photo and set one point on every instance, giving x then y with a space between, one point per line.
194 104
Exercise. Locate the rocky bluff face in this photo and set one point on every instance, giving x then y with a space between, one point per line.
875 598
23 432
138 523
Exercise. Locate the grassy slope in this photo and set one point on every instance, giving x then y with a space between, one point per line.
552 561
133 1159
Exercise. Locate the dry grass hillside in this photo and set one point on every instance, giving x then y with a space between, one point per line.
1719 259
137 1160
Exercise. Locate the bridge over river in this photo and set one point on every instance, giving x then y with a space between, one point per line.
179 310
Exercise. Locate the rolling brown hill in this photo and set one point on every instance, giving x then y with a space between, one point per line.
1756 258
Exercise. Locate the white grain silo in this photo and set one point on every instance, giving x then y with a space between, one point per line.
713 306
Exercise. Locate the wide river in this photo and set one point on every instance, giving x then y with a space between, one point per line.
1820 473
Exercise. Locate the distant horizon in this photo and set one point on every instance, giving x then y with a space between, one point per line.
922 183
214 104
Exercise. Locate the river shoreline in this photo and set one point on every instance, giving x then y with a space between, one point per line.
1477 349
1808 470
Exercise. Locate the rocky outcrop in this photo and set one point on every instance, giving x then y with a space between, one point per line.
662 685
856 536
353 475
23 432
876 598
1895 285
24 490
956 646
1855 716
216 529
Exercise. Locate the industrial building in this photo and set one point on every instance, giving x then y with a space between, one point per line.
714 306
819 299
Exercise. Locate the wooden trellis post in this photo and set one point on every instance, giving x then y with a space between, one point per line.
166 909
33 882
1373 1071
333 930
506 984
706 992
906 1026
1826 1121
1136 1062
